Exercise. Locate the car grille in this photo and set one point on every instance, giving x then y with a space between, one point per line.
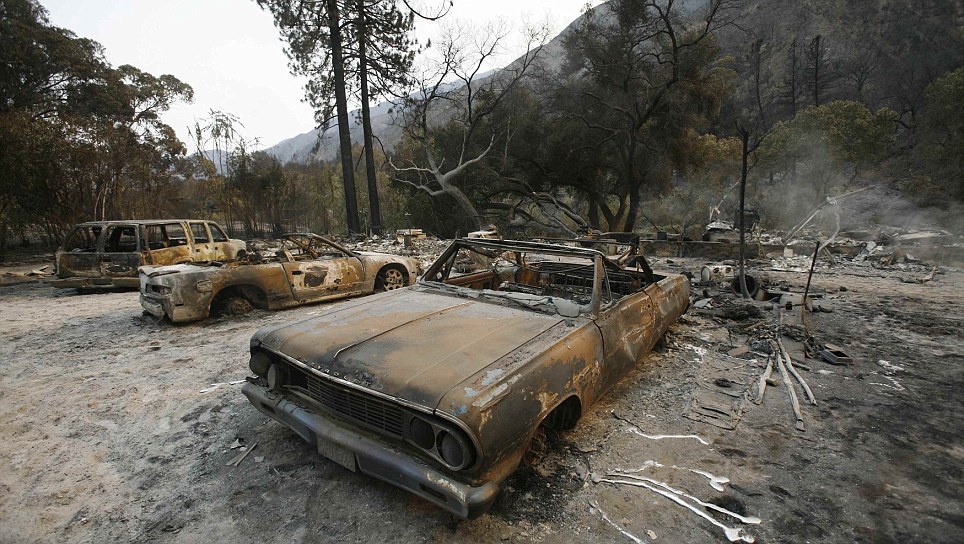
368 410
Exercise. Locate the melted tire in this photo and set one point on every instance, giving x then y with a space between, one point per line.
235 306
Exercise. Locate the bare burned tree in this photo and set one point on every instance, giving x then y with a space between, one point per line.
448 119
548 212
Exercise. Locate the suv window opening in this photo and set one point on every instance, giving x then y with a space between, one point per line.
121 239
200 233
164 236
82 240
217 235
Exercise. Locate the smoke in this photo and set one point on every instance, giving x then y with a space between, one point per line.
803 168
887 206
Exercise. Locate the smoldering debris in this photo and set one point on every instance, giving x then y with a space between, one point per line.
770 333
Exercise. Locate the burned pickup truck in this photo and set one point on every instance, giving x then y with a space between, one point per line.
107 253
440 388
305 268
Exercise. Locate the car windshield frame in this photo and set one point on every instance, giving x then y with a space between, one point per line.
293 236
563 306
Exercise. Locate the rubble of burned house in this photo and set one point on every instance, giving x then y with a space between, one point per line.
772 330
873 246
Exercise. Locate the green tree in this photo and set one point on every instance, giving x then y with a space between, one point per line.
830 146
939 153
46 70
347 47
79 139
629 62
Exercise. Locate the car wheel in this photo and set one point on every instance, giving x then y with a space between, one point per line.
236 306
389 278
538 447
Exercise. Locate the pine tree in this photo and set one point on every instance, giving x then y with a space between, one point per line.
346 47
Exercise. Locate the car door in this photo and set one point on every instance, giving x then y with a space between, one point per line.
79 255
323 272
628 330
204 248
167 243
121 255
218 243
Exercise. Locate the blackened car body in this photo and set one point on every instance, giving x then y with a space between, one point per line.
439 388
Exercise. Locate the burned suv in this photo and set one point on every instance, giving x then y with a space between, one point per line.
108 253
439 388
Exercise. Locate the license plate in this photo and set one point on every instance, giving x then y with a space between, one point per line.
336 453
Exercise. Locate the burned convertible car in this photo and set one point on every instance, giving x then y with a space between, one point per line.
439 388
305 268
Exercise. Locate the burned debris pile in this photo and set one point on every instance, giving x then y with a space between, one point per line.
768 339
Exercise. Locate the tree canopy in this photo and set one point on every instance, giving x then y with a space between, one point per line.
642 114
79 139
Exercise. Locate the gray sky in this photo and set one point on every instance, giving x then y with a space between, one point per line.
231 54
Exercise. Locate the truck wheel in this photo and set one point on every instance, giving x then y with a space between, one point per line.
389 278
235 306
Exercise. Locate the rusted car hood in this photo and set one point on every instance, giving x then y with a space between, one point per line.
416 345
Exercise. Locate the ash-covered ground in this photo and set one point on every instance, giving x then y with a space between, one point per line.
118 428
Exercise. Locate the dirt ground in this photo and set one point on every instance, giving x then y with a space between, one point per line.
117 428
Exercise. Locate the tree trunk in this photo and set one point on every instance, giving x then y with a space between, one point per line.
3 241
341 104
634 201
471 213
757 69
634 186
817 58
745 138
612 218
593 212
376 217
793 78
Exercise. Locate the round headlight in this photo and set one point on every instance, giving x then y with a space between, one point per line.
422 433
450 449
260 363
277 377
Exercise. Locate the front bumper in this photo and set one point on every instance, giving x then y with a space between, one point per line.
376 458
153 307
95 283
160 307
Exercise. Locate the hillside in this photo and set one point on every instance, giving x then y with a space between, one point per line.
307 147
302 148
901 45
